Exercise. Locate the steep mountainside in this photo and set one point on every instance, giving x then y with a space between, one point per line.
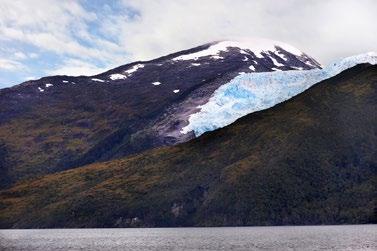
60 122
309 160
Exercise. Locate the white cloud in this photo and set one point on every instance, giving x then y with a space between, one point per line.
30 78
11 65
20 55
33 55
75 67
56 26
325 29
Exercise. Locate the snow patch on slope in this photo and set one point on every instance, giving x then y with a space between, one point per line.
98 80
281 55
117 76
252 92
134 69
275 62
126 73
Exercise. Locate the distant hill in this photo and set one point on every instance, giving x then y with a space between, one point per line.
309 160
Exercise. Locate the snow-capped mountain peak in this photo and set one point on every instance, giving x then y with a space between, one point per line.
254 50
255 45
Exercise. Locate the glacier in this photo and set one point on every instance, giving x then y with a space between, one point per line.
251 92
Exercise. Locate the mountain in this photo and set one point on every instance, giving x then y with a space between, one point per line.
309 160
60 122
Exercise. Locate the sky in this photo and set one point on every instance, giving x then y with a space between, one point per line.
86 37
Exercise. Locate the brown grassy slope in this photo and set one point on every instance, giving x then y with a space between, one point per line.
310 160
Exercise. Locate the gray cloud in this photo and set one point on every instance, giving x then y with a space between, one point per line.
325 29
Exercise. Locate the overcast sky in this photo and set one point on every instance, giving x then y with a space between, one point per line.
46 37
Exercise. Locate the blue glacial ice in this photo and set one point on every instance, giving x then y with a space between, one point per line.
253 92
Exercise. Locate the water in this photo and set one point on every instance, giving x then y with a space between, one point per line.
355 237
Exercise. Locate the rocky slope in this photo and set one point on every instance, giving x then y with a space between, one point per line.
309 160
61 122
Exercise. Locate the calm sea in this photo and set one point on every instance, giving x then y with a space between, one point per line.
350 237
